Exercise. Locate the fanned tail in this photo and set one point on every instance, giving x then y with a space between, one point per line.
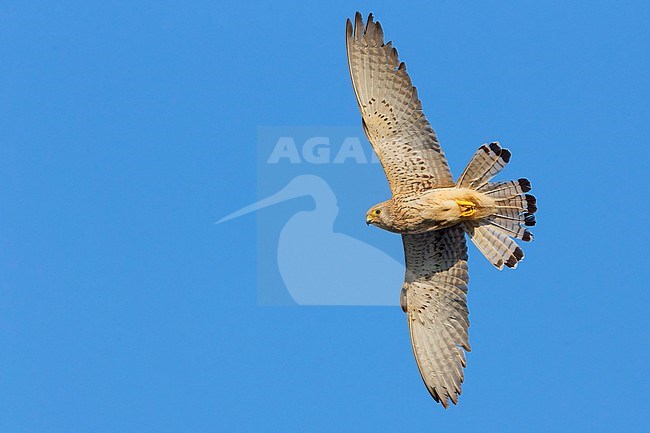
515 209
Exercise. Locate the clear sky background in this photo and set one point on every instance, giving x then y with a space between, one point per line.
128 128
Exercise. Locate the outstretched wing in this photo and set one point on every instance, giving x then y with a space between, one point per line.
392 114
434 298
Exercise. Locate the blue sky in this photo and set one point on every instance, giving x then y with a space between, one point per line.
128 129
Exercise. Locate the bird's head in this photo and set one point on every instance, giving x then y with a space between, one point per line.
378 215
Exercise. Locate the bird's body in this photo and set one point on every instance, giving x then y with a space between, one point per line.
431 211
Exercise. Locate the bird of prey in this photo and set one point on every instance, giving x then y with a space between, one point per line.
431 211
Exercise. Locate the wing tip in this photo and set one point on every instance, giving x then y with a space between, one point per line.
444 397
371 29
358 24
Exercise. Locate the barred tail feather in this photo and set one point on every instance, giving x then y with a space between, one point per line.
510 227
506 189
496 246
486 163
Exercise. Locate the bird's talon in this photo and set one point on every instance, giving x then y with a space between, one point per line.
467 208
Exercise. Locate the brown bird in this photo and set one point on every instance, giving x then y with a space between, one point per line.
430 210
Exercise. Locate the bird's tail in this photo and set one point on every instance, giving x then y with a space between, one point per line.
493 235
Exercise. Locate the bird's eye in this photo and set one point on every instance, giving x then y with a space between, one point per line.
377 211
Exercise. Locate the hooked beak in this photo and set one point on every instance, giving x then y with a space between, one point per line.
368 222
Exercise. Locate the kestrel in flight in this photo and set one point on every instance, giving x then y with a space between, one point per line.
431 211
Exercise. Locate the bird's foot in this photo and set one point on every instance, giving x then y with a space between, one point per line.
467 208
